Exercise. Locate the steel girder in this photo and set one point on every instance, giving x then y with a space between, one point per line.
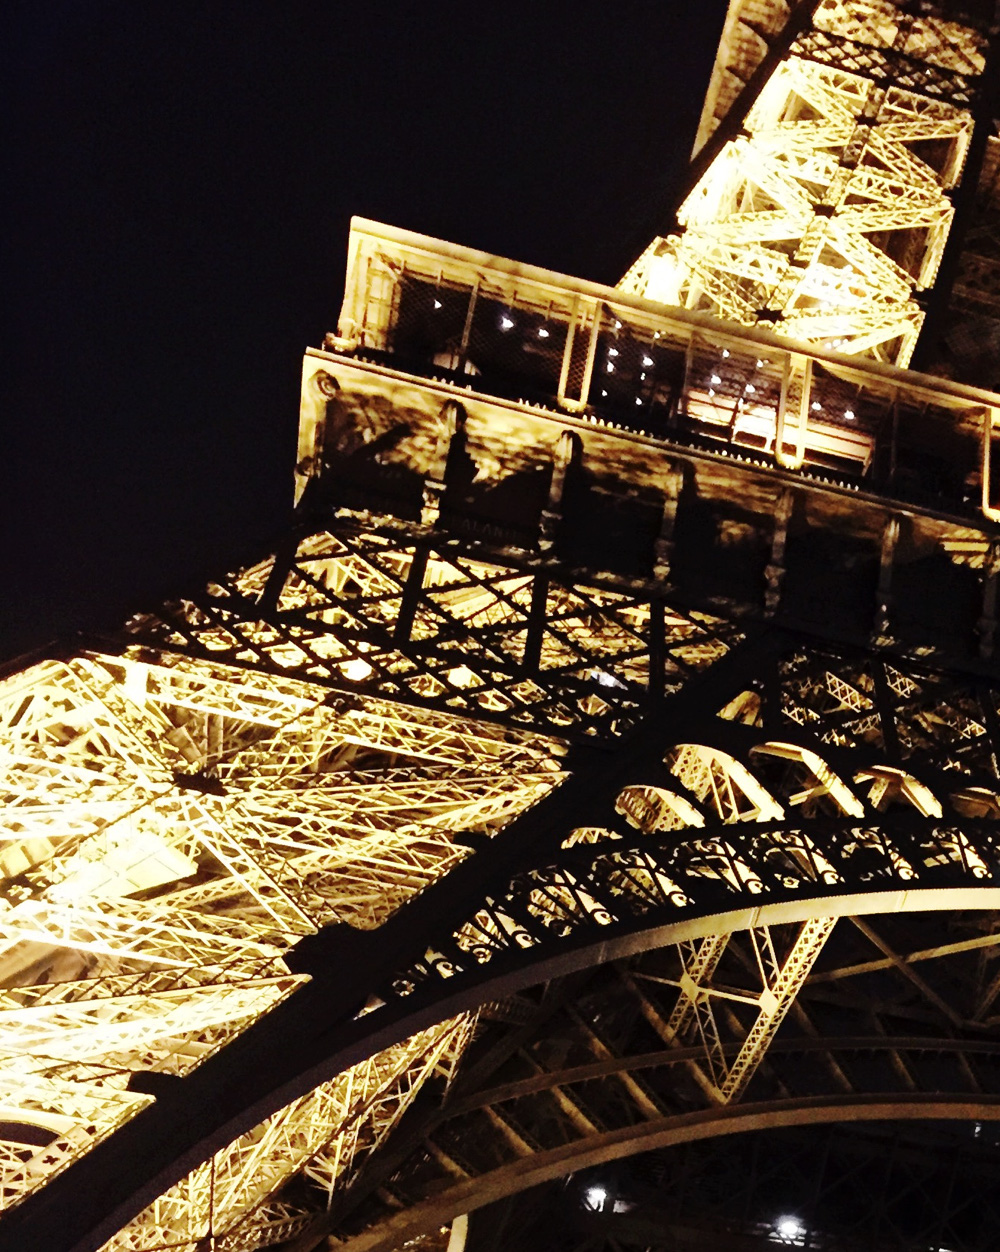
775 783
816 203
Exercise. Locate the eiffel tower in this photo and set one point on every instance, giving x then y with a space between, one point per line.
583 827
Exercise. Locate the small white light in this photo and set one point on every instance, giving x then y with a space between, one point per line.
647 360
618 325
611 368
760 362
461 676
711 391
816 406
506 323
596 1196
715 380
725 352
612 352
643 374
789 1228
542 333
638 400
437 304
604 393
356 671
849 414
656 334
750 389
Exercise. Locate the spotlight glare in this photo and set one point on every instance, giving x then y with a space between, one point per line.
789 1228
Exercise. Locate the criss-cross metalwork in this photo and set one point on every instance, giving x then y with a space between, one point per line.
607 757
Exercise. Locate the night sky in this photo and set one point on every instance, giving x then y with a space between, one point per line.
181 179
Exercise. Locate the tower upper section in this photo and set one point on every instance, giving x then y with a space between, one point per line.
833 139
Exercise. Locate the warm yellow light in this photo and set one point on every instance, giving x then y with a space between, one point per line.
461 676
356 671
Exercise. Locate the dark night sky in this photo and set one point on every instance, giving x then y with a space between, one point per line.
181 179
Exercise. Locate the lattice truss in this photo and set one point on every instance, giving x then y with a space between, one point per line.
171 829
829 776
179 813
372 605
680 1043
830 207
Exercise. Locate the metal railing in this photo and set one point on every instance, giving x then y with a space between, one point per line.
526 334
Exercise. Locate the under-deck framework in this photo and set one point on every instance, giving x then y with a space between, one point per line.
605 759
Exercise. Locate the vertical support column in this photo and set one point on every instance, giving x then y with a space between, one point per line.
774 572
987 624
566 455
798 455
536 623
578 404
663 550
657 651
452 424
410 599
883 596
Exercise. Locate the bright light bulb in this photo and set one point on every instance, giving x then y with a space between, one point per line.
437 304
725 352
356 671
816 406
711 391
596 1196
789 1228
618 325
750 388
506 323
611 368
461 676
638 400
715 380
612 352
542 333
647 360
849 414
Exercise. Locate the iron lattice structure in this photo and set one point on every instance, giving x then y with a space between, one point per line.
607 759
824 198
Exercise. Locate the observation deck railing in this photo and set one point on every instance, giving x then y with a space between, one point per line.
434 309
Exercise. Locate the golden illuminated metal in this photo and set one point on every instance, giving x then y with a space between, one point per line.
302 746
829 210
